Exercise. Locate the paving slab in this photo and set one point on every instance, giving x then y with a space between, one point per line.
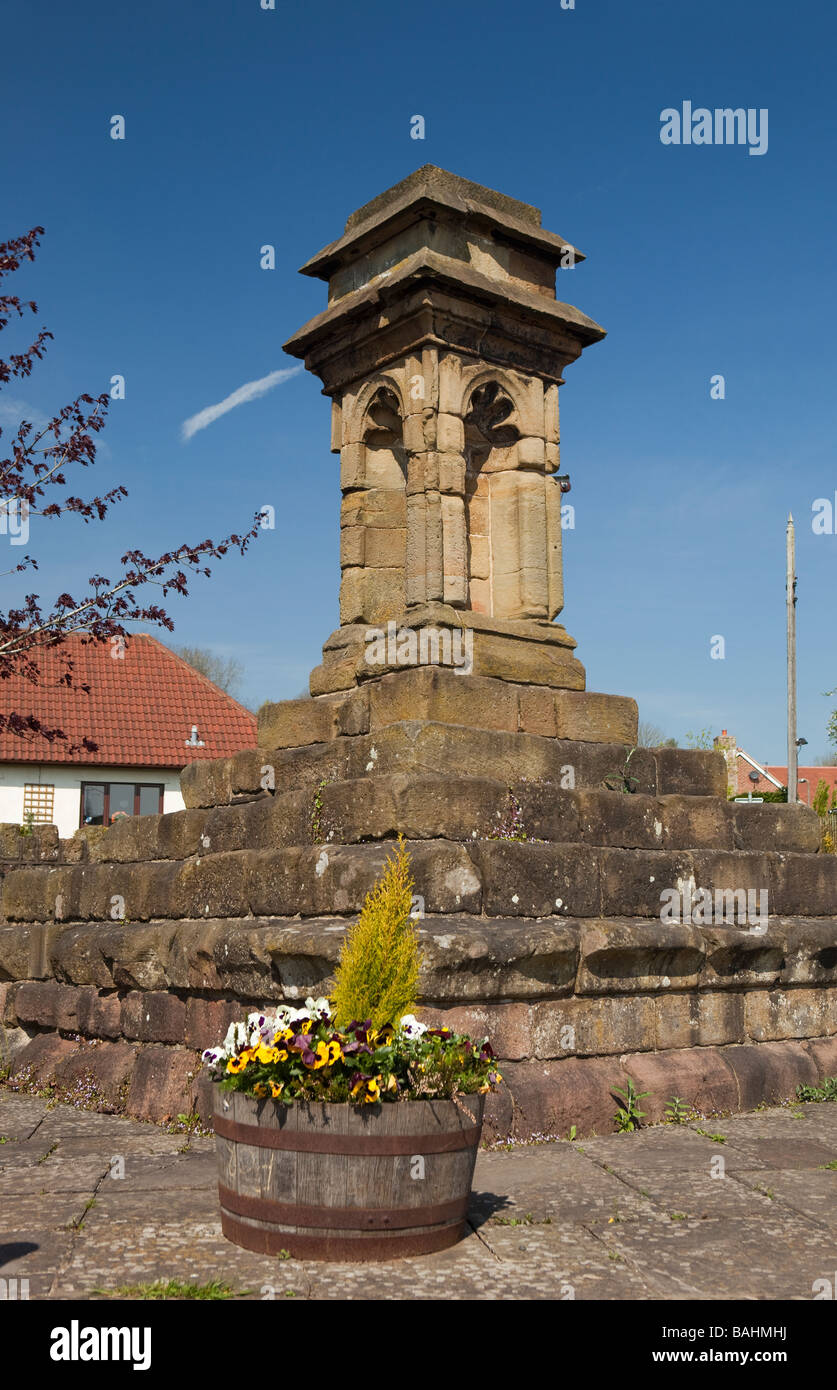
661 1149
812 1195
54 1175
20 1115
773 1257
551 1180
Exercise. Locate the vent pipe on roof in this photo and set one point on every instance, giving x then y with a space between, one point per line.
193 741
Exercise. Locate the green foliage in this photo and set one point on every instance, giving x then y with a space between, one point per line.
677 1111
191 1125
621 781
28 821
628 1115
377 974
317 811
827 1091
819 800
773 795
831 727
701 739
172 1288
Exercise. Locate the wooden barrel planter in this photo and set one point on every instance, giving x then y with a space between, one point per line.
345 1182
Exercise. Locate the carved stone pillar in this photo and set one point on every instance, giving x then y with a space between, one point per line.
443 347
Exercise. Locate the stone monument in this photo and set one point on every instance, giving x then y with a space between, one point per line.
600 911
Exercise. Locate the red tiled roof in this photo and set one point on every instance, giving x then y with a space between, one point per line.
140 709
814 776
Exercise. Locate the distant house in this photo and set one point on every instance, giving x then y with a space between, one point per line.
149 713
770 777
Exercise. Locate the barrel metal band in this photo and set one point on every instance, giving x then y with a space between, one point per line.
342 1218
319 1142
328 1247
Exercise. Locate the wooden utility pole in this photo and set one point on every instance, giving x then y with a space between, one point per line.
791 605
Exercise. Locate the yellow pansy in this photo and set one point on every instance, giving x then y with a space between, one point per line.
260 1090
276 1089
237 1064
327 1054
367 1090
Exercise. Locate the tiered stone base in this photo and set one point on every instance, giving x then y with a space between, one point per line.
540 851
518 651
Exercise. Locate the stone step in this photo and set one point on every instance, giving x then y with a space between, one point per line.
434 693
425 807
497 878
465 809
467 961
479 808
452 750
429 806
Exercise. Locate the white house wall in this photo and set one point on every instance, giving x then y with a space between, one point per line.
67 781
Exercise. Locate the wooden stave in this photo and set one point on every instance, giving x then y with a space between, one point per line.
341 1182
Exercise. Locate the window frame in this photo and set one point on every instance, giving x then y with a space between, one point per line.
159 787
39 789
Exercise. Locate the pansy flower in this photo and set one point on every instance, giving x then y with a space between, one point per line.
366 1089
410 1026
327 1054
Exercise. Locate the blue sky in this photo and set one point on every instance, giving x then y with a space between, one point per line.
246 126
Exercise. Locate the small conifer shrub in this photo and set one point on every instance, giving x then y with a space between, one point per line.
363 1045
377 974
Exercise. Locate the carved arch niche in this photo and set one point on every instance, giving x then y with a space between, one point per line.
491 500
374 514
383 440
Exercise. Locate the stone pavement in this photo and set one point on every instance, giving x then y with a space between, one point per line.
629 1217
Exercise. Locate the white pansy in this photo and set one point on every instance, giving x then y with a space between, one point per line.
410 1025
236 1038
212 1058
318 1006
260 1027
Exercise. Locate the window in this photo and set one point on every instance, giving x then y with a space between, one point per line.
37 802
103 803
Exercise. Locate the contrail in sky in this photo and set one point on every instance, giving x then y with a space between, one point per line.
248 392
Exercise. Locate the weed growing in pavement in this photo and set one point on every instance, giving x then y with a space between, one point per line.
628 1115
826 1091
